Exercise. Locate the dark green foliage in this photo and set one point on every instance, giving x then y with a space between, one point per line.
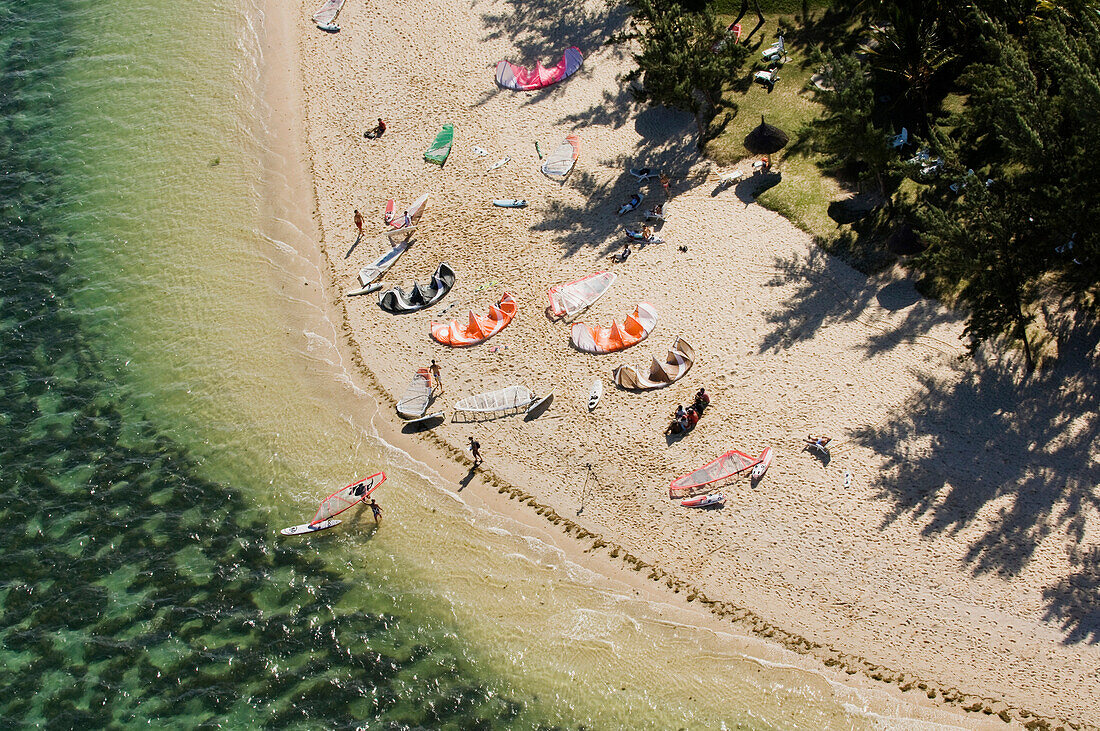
683 62
846 133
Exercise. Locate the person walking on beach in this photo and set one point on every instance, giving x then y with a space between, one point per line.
377 510
664 184
358 221
434 369
475 449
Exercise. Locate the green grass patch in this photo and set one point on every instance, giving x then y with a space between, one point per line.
805 192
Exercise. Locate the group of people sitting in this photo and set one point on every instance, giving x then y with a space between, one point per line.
684 420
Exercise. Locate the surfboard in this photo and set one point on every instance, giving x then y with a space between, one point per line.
388 211
540 403
366 290
509 203
425 420
498 164
297 530
763 465
702 501
594 396
847 479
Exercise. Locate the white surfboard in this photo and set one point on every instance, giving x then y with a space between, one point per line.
594 396
298 530
498 164
763 465
540 403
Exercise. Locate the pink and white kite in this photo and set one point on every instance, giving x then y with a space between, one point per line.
518 78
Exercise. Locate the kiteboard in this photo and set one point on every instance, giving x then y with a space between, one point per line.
703 501
498 164
510 203
596 393
762 466
389 211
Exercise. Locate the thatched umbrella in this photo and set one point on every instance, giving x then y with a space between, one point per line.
766 139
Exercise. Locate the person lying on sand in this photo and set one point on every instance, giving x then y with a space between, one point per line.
620 256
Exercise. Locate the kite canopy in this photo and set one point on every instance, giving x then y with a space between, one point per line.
560 162
441 148
766 139
518 78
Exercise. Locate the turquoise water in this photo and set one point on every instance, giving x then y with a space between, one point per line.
171 395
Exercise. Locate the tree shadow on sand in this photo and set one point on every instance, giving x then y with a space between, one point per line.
958 446
542 30
819 300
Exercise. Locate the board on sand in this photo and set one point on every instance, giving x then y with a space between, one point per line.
763 465
509 203
372 271
595 394
297 530
425 420
702 501
498 164
388 211
540 403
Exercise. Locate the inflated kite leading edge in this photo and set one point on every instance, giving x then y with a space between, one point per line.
518 78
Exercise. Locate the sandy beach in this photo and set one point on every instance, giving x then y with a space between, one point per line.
960 562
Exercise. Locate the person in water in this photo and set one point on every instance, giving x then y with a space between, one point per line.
377 510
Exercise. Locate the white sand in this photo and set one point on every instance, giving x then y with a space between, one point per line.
959 556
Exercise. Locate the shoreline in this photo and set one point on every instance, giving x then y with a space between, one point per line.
522 483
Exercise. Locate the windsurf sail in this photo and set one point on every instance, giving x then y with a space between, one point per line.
560 162
726 466
328 12
441 148
519 78
414 403
348 497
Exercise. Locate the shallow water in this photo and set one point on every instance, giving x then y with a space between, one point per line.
171 394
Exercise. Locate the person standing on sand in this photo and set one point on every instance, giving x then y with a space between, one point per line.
434 370
358 221
664 184
475 449
377 510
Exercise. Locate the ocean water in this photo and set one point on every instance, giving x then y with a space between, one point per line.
171 394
